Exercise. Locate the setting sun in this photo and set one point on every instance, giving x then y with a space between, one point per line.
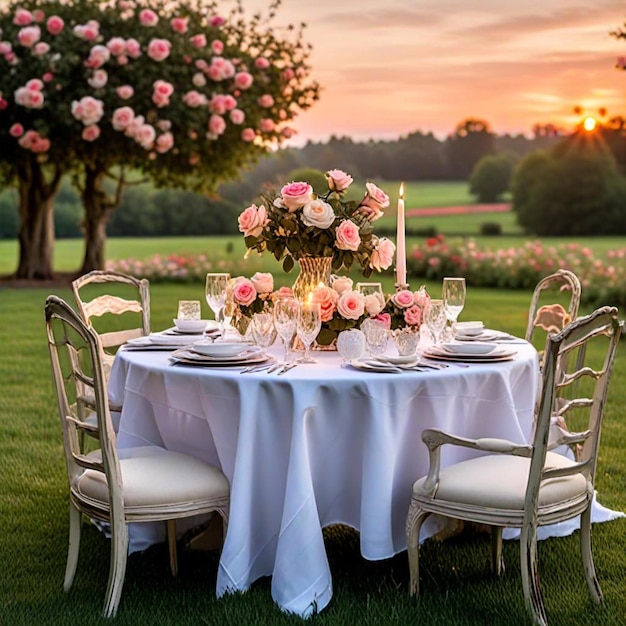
590 124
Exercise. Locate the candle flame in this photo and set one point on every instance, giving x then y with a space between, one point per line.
402 189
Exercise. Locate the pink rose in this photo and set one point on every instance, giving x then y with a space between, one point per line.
163 88
338 180
283 292
17 130
41 48
248 134
145 136
133 48
180 24
296 194
403 298
266 101
244 292
261 63
194 99
385 318
217 21
263 282
267 125
122 117
148 18
29 36
34 84
229 102
217 125
243 80
116 46
22 17
413 315
351 305
374 303
159 49
47 77
237 116
327 299
98 79
164 143
125 92
374 202
88 110
218 104
98 56
253 220
198 80
55 24
91 133
382 256
199 41
217 46
288 74
5 47
341 284
347 236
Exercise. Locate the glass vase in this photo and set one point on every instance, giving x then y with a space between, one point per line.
313 271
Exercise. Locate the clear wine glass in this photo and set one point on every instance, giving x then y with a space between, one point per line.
263 329
285 321
453 294
216 284
308 327
376 336
350 345
435 318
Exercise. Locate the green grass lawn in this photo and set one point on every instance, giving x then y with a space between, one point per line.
457 588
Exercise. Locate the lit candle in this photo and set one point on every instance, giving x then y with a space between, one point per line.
400 242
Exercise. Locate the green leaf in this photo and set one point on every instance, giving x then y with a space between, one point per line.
288 264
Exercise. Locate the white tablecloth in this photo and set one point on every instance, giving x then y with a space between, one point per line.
317 446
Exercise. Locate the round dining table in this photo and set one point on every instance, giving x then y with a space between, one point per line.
318 445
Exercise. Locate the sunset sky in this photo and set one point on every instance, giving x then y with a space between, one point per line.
390 67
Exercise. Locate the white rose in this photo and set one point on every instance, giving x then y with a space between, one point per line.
318 213
374 303
341 284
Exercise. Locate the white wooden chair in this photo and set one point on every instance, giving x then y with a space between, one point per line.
144 484
554 316
528 485
102 294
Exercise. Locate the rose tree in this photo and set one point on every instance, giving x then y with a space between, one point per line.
179 91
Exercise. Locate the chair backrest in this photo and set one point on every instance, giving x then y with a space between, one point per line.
80 385
596 337
553 317
116 305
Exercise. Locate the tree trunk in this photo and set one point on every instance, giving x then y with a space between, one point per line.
98 207
36 234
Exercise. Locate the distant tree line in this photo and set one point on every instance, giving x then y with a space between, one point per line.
491 163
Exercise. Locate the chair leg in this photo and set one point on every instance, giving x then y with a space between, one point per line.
73 547
171 542
497 560
117 569
414 521
585 545
530 575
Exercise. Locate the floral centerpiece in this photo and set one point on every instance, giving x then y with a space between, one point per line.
300 224
343 308
247 296
405 308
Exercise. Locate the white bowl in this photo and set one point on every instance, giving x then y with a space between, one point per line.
469 328
190 326
472 347
220 348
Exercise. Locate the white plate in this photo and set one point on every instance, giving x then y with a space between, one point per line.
486 335
158 339
221 348
397 360
370 365
469 328
469 348
190 326
500 354
253 355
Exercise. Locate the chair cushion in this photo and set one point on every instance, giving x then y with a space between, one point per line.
153 476
499 481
